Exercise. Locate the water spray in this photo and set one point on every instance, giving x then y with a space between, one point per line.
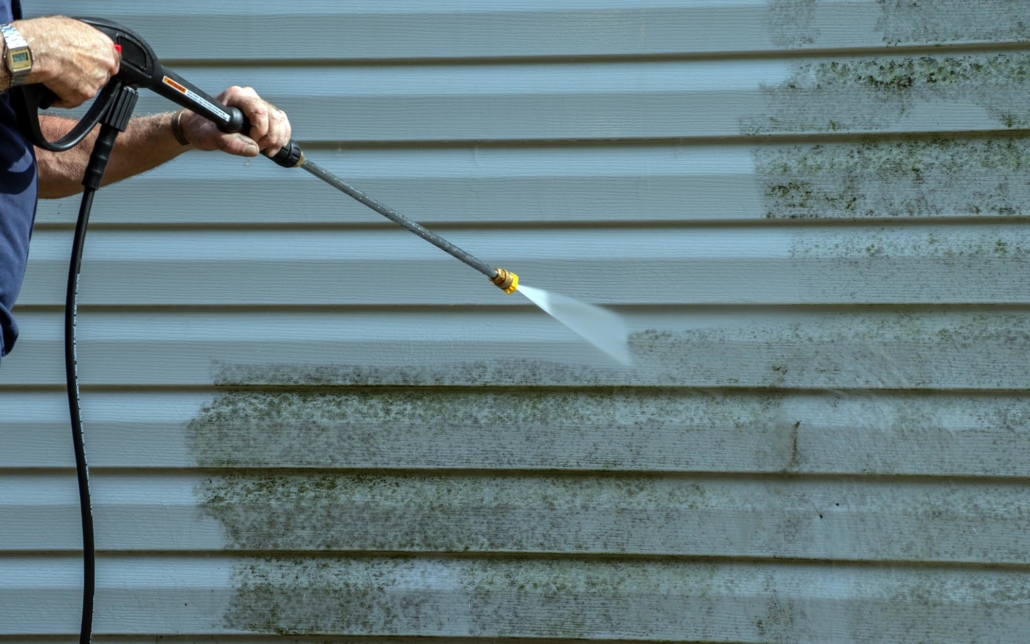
112 109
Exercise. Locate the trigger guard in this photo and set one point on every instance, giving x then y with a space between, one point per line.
28 100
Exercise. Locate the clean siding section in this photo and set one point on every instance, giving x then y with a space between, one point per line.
304 422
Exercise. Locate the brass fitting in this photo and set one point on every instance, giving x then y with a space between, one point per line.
506 281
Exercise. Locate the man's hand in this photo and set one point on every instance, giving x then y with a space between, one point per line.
269 128
71 58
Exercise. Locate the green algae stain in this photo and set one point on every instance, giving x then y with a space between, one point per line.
918 22
875 94
937 177
599 429
791 23
588 600
620 600
891 244
313 511
506 518
430 597
332 596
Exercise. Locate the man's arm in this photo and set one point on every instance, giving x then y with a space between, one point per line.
148 142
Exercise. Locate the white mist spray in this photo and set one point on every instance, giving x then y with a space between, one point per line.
600 327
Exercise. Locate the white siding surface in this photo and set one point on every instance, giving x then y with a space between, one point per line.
306 425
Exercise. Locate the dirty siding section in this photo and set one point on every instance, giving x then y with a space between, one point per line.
305 426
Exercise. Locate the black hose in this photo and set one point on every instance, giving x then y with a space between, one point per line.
71 306
91 180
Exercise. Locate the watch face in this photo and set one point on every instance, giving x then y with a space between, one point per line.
19 60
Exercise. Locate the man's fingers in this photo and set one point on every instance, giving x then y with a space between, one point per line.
258 117
70 97
255 109
269 127
278 132
238 144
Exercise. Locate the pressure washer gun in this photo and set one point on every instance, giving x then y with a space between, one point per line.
140 67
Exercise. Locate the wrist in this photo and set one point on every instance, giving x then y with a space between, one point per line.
178 133
34 34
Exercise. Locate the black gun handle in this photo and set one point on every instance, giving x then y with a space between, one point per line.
28 100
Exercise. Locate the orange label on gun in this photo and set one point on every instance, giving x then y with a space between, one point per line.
198 99
171 83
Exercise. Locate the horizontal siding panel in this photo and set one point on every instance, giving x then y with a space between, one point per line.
192 30
742 602
985 264
529 430
644 100
641 184
465 185
795 519
856 349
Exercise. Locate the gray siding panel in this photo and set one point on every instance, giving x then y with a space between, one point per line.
573 599
968 264
582 430
196 30
764 517
676 347
305 425
923 93
571 183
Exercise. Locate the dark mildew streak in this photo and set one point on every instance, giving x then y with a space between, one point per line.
625 431
626 600
625 515
790 23
919 22
536 429
811 24
875 94
939 177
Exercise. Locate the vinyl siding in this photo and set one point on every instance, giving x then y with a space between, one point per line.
307 425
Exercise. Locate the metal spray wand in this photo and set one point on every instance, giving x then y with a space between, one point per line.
504 279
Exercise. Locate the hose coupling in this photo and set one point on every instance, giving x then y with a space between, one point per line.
506 281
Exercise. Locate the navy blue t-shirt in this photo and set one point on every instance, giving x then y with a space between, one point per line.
17 203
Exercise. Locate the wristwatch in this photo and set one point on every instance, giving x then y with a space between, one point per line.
18 56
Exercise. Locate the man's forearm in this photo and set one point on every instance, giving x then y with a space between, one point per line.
146 143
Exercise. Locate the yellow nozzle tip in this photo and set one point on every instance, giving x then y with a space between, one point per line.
505 280
514 284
